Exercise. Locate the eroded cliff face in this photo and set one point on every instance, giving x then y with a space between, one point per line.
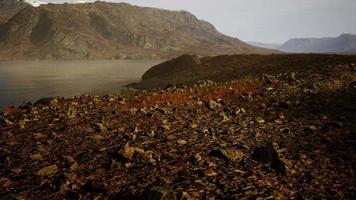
111 30
8 8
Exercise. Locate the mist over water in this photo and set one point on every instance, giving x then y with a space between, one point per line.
23 81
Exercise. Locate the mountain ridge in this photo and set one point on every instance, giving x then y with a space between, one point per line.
103 30
345 43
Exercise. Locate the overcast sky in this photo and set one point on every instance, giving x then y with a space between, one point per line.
269 21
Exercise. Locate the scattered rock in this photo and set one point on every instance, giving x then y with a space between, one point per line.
228 154
36 157
267 154
100 127
48 171
38 136
213 104
182 142
159 193
4 182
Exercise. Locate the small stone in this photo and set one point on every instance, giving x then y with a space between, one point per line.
159 193
133 111
48 171
228 154
97 137
4 182
38 136
197 157
193 126
182 142
213 104
36 157
17 171
310 129
267 154
165 127
200 103
224 116
260 120
100 127
211 173
128 151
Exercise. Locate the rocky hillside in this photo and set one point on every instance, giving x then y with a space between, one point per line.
345 43
189 68
111 30
8 8
289 136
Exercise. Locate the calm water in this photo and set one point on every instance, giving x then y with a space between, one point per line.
22 81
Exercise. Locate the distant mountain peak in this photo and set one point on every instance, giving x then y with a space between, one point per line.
344 43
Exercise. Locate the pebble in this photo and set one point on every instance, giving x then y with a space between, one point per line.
48 171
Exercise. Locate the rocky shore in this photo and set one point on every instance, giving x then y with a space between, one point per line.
282 136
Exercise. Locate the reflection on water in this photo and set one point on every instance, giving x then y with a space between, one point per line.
22 81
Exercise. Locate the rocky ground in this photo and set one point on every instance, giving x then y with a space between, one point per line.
289 136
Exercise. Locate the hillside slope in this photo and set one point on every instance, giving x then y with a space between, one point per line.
189 68
345 43
111 30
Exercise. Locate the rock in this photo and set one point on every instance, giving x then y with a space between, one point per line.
267 79
128 151
48 171
133 111
36 157
17 171
292 77
211 173
182 142
260 120
224 116
228 154
4 182
100 127
7 122
159 193
213 104
310 129
97 137
47 101
197 157
267 154
38 136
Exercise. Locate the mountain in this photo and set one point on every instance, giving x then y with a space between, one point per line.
345 43
8 8
264 45
188 69
103 30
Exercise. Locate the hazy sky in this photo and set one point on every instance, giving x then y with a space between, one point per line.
269 21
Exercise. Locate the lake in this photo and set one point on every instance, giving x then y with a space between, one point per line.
23 81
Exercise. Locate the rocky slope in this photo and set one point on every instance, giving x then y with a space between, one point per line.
345 43
111 30
189 68
289 136
8 8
